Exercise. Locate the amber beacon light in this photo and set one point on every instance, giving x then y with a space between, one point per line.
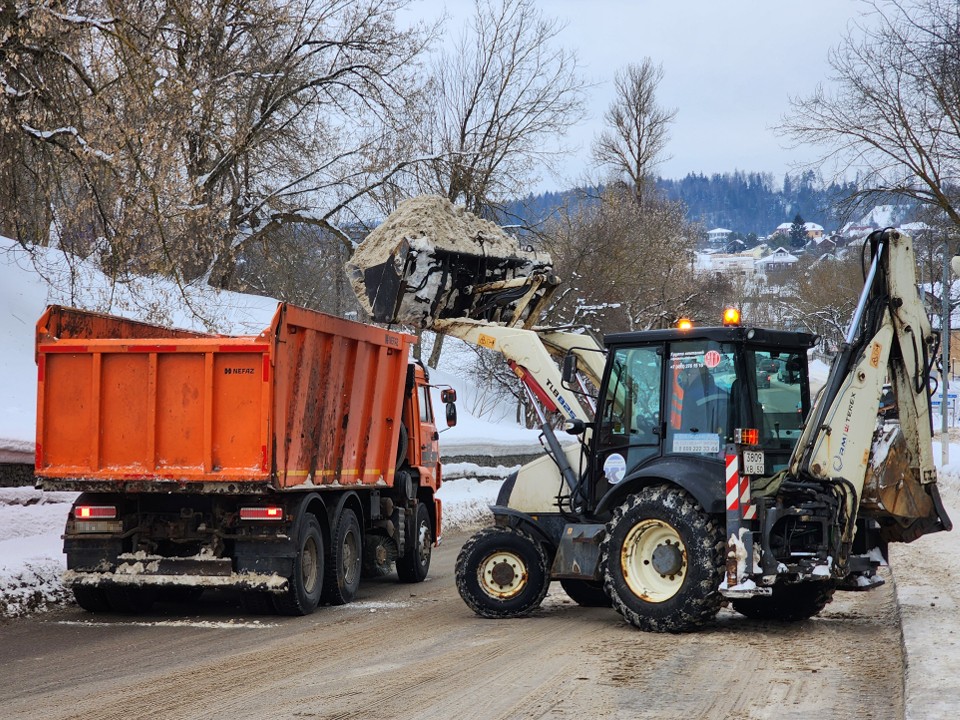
731 316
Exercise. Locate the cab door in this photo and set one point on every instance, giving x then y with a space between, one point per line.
629 418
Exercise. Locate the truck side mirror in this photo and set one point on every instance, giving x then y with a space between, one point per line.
569 368
451 413
448 395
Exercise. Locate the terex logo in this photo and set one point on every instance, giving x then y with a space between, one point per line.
838 458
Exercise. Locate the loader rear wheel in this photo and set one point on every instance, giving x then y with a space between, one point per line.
91 599
415 563
788 603
502 572
305 585
343 564
662 561
586 593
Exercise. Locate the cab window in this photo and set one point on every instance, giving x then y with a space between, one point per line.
631 410
426 410
701 377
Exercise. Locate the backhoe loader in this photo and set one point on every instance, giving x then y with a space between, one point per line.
705 472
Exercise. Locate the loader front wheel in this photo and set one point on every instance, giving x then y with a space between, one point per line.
662 561
502 572
788 603
306 583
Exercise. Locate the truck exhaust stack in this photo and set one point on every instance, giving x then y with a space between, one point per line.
431 260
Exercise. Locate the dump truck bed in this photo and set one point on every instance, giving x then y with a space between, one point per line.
313 400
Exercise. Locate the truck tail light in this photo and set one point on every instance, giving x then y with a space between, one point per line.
94 512
270 512
747 436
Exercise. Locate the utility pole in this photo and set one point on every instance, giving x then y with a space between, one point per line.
945 356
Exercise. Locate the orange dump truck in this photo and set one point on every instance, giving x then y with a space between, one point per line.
285 464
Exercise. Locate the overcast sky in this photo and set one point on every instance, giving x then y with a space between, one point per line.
729 69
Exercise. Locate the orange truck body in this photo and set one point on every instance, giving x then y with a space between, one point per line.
273 463
312 400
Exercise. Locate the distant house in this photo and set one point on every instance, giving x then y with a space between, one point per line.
725 263
814 232
779 259
718 236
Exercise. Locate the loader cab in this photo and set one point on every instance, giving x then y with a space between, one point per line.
671 400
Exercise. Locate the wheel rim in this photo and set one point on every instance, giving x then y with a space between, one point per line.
423 543
310 564
654 560
350 565
503 575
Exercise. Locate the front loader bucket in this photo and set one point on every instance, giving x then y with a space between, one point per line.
431 260
893 494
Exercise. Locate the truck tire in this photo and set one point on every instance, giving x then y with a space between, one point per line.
415 563
343 564
502 572
788 603
662 561
131 600
91 599
256 602
586 593
306 583
378 553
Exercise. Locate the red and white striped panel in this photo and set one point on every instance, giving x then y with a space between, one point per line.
749 511
733 482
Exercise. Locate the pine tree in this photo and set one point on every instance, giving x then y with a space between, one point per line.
798 233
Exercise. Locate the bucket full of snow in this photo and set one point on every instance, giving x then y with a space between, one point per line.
432 260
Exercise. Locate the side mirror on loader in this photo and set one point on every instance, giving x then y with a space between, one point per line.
569 370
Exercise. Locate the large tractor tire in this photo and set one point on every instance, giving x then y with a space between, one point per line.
343 564
502 572
788 603
586 593
415 563
131 600
305 585
662 561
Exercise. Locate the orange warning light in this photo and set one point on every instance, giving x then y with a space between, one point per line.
684 324
731 316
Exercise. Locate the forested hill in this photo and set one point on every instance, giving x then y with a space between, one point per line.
739 201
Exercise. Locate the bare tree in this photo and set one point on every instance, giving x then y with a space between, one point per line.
503 95
625 267
637 127
892 112
167 135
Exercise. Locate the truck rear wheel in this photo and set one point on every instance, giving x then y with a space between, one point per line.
343 565
502 572
415 563
306 583
788 603
662 561
91 599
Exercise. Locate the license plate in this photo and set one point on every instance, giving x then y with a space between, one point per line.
752 462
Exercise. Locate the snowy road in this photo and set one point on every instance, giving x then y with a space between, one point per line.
415 651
